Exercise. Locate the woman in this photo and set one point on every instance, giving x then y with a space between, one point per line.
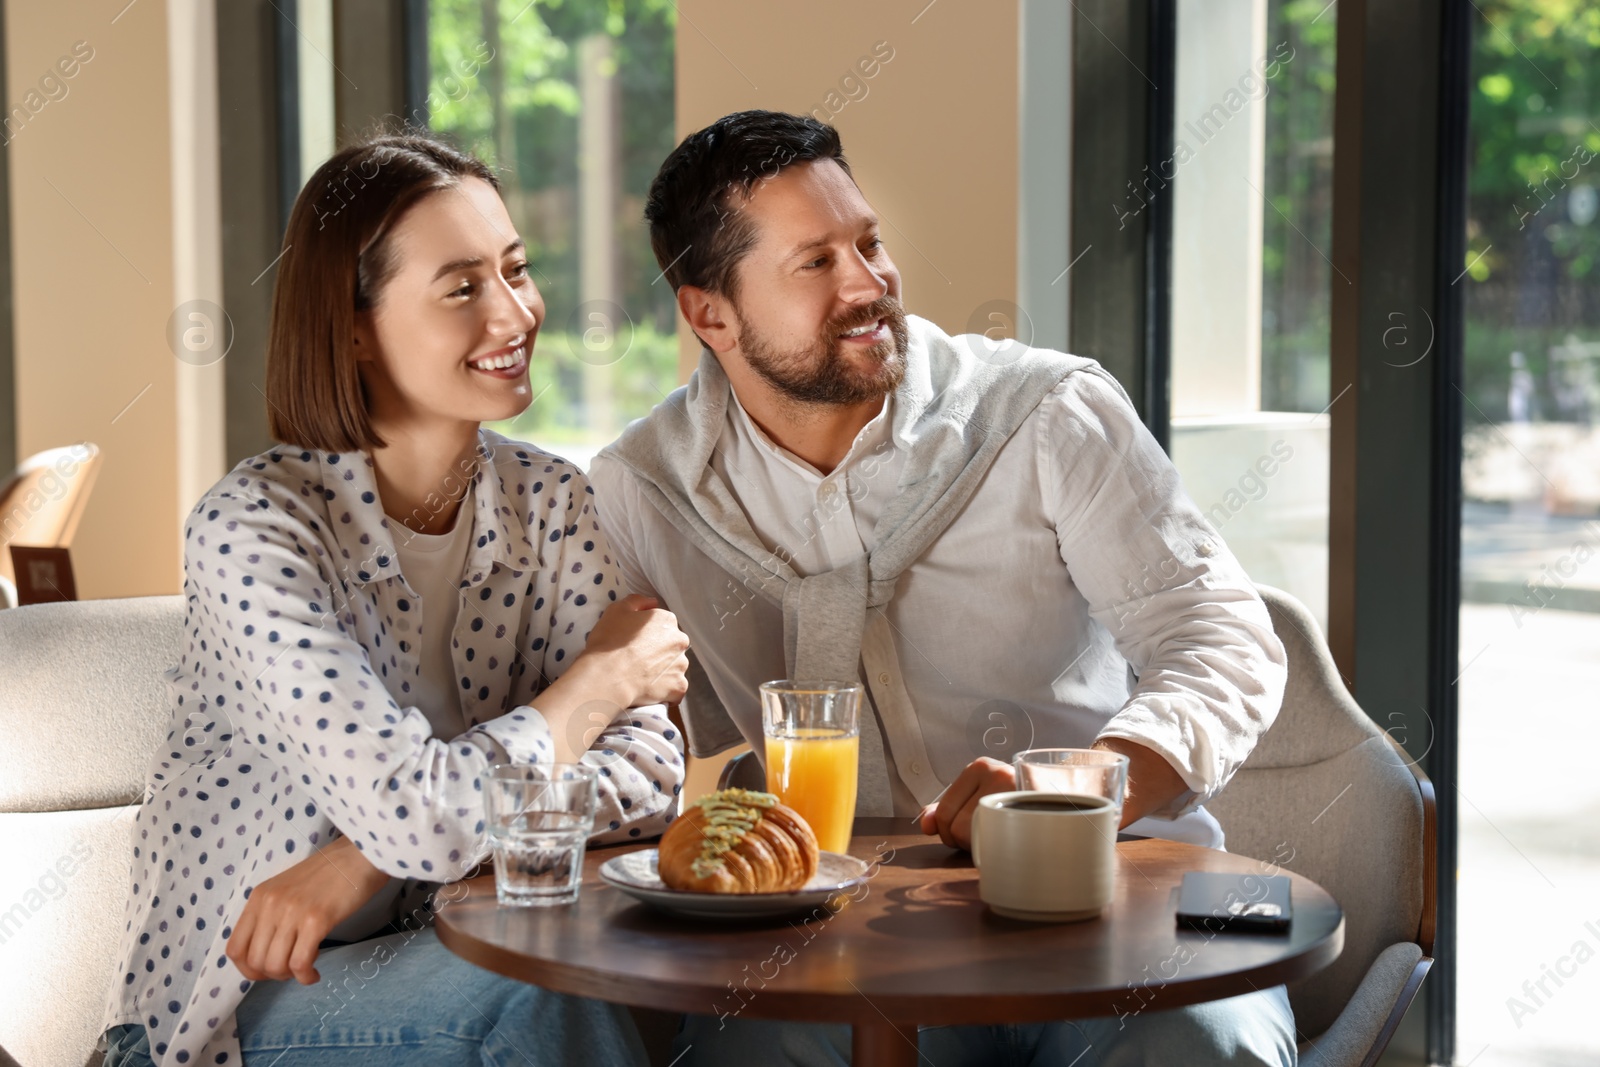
377 612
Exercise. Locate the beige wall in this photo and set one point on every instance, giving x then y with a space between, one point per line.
92 247
933 143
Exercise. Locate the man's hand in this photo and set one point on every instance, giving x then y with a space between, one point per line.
289 914
951 817
1152 785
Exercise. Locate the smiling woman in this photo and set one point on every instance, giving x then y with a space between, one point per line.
325 350
379 609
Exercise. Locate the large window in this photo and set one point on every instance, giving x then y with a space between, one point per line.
1252 175
1530 617
572 103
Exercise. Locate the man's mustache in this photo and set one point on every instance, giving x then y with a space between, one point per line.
885 307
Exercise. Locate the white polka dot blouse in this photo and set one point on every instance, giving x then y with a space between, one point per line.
292 719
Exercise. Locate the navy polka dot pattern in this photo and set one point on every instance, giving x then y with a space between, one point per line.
292 724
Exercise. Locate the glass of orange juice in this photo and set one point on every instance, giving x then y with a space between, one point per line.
813 737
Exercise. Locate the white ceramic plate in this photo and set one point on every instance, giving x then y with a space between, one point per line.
635 874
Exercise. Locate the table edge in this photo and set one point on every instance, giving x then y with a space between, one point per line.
899 1008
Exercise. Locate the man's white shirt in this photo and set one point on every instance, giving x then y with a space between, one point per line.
1077 557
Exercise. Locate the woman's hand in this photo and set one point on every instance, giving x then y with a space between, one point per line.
289 914
643 650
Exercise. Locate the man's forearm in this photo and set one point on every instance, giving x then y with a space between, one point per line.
1152 782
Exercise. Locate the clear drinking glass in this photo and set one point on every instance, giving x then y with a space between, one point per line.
540 818
1084 772
813 739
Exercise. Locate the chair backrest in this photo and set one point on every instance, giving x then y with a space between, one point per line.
1328 795
82 702
44 501
83 708
742 772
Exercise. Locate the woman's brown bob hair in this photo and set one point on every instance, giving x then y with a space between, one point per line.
336 259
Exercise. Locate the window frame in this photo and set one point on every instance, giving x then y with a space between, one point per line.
8 369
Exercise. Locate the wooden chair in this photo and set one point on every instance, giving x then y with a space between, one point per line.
1328 795
42 504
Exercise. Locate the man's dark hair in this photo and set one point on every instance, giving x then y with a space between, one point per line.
697 229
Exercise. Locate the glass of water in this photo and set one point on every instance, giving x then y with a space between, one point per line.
540 817
1085 772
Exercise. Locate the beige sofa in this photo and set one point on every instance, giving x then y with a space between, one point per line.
82 708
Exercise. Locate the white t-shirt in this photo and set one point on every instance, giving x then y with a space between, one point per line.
433 565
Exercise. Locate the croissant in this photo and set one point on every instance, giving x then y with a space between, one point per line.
738 841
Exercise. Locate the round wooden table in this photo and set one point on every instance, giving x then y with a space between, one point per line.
914 945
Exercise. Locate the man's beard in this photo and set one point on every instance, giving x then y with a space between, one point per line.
818 373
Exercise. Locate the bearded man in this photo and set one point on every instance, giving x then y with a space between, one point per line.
987 538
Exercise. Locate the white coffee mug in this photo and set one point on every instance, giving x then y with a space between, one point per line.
1045 857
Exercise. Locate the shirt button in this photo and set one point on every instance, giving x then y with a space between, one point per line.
827 489
1206 548
883 676
916 766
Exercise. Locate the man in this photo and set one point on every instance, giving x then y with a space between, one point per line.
988 538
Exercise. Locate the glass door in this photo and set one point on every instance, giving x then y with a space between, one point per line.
1528 972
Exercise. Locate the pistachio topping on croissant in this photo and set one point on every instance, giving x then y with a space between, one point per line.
729 815
738 841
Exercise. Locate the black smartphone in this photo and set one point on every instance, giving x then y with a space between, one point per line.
1236 903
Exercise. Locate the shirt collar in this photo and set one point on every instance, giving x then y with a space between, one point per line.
878 429
365 536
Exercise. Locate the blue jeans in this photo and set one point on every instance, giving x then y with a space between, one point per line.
1257 1028
426 1007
